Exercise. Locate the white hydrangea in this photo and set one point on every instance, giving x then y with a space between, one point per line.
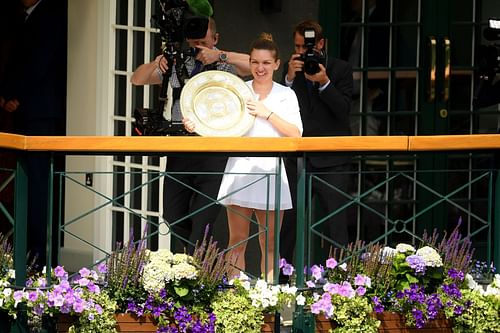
403 248
183 270
430 256
163 267
180 258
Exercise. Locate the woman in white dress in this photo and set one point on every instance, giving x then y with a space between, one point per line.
248 184
276 114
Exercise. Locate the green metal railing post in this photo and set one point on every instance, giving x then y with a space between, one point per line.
50 208
20 238
496 219
301 321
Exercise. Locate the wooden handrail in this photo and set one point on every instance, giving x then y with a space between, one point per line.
195 144
454 142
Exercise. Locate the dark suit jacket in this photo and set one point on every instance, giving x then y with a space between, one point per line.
36 75
326 113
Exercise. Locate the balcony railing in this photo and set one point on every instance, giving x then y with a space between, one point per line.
308 226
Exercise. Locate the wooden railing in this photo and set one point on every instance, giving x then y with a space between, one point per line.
89 145
106 145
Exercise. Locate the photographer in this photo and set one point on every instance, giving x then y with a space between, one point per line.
323 87
188 192
207 54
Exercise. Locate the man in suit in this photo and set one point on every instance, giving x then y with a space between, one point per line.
33 92
325 101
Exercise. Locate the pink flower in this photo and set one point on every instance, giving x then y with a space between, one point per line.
331 263
361 291
60 272
317 272
84 272
362 280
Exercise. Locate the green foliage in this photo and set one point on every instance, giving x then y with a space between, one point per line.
353 315
235 313
94 322
482 316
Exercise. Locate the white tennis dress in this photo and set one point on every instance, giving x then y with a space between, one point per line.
259 173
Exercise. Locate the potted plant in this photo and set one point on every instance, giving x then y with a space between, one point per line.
248 306
482 314
398 289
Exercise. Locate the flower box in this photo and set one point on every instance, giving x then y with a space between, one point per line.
269 322
323 324
125 322
391 322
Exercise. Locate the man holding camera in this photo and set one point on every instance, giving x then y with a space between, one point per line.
195 179
323 87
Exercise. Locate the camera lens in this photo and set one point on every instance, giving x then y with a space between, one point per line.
311 66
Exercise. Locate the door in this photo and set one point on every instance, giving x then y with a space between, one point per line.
419 69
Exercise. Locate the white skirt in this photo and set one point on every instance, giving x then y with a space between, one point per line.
250 182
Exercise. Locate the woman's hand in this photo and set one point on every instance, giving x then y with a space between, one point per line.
258 109
188 124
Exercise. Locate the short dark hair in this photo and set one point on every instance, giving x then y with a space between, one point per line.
309 24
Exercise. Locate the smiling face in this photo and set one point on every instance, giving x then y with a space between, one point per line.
263 63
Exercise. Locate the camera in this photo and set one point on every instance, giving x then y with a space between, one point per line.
489 55
311 57
176 22
488 66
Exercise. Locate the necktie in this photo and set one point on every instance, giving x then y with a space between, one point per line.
197 68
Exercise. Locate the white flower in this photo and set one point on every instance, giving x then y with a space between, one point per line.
11 274
301 300
492 290
184 270
180 258
473 285
403 248
430 256
343 266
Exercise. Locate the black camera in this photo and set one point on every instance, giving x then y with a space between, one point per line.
176 23
488 66
311 57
